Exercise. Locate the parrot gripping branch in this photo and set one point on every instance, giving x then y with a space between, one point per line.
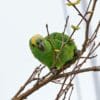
38 80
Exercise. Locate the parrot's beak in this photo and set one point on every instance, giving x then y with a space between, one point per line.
41 46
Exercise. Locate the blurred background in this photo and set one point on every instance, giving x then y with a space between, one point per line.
19 20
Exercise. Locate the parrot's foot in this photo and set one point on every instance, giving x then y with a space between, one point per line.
77 53
54 70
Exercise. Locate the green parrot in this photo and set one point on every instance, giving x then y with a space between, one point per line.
54 50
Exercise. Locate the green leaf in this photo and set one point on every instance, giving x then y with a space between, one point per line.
73 3
75 27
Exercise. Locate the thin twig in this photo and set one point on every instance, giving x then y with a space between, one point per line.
90 57
95 33
79 12
59 93
88 24
47 29
71 92
66 23
88 69
26 83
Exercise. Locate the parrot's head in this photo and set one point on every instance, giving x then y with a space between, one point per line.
37 41
40 47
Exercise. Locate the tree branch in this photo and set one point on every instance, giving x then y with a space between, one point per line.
88 69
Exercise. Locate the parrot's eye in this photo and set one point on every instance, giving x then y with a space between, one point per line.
40 44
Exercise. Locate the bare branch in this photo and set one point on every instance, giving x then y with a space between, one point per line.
88 24
88 69
79 13
94 35
27 82
61 90
47 29
71 92
66 24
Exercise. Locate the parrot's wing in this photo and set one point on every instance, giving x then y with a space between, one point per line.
57 36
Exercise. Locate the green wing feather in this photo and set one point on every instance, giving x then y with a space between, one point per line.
67 52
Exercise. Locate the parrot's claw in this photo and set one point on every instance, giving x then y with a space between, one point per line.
54 70
77 53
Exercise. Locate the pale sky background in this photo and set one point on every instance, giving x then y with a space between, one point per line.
19 20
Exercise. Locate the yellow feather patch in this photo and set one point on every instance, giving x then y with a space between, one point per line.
35 38
56 50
